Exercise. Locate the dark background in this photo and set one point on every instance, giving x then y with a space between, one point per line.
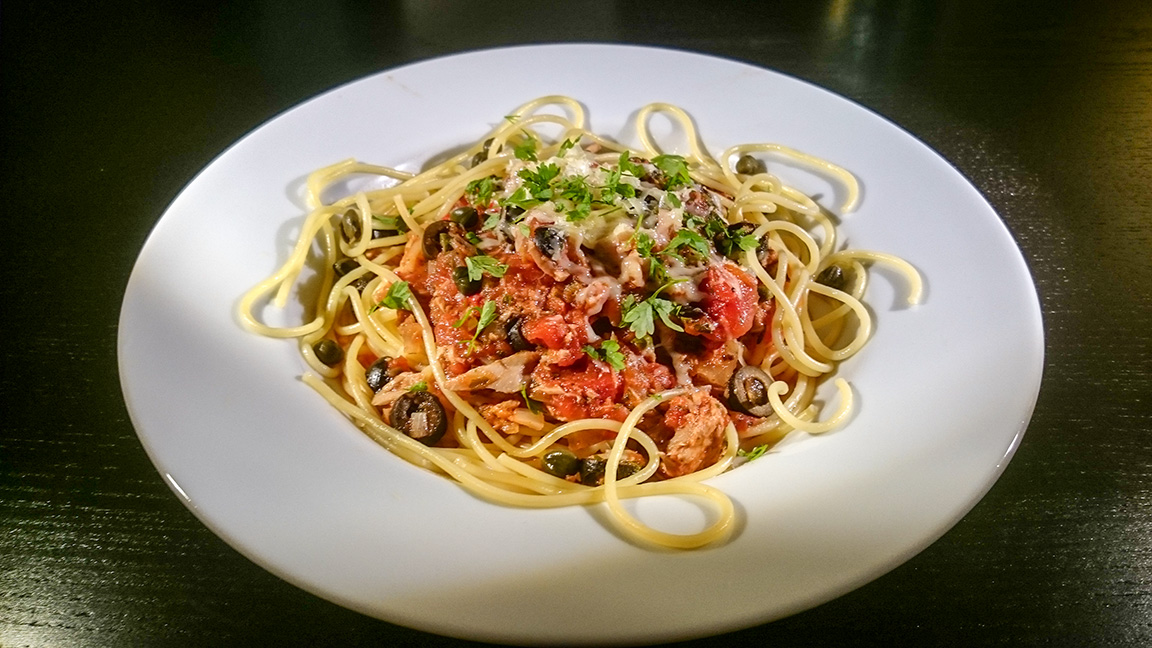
110 108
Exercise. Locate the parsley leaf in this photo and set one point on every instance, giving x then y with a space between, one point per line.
686 238
389 223
754 453
675 167
628 166
526 150
492 221
577 193
609 352
464 318
640 315
612 355
487 316
673 199
480 191
478 265
396 298
538 181
418 387
565 146
532 405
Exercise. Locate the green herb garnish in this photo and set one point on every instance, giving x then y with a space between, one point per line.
609 352
396 298
478 265
526 150
675 168
754 453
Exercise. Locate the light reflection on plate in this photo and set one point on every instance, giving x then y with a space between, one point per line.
945 389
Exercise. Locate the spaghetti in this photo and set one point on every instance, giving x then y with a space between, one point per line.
554 321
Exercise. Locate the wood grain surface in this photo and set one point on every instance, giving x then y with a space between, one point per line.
110 108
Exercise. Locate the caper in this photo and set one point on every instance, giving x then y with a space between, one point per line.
377 374
436 237
478 159
328 352
549 240
465 284
592 471
345 265
515 335
350 226
421 416
833 277
626 469
748 165
465 216
560 463
748 391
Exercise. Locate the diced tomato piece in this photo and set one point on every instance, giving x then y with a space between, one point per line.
731 300
548 331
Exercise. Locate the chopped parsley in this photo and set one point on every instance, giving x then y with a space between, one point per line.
675 168
389 223
565 146
487 316
609 352
480 191
576 197
532 405
686 238
526 150
396 298
754 453
628 166
464 318
478 265
640 315
418 387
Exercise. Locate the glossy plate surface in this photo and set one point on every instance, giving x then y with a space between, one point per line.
944 390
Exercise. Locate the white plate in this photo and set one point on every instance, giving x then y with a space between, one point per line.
945 389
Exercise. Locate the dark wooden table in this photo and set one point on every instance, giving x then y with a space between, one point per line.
109 109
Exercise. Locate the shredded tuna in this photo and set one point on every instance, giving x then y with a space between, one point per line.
506 375
697 421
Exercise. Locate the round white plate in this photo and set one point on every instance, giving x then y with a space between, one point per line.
945 389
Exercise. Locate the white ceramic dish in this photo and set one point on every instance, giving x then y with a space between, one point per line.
945 390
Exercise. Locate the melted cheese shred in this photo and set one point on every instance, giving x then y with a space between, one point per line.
813 325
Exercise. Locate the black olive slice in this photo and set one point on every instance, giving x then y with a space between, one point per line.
550 241
377 374
421 416
748 391
344 266
515 335
436 237
465 216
